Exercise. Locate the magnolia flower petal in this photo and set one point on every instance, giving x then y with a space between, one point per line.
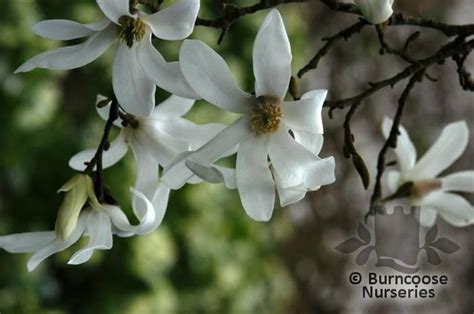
311 141
405 150
289 195
393 180
58 245
462 181
174 106
455 209
71 57
148 218
26 242
120 223
176 174
99 230
254 179
427 216
134 90
210 77
213 173
114 9
305 114
67 30
176 22
375 11
118 148
272 57
167 75
444 152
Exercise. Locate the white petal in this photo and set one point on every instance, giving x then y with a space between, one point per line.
99 230
375 11
134 90
175 22
289 195
67 30
26 242
455 209
118 148
148 219
311 141
72 57
174 107
58 245
210 77
305 114
428 216
462 181
254 179
121 224
176 175
272 57
167 75
213 173
444 152
393 180
405 151
114 9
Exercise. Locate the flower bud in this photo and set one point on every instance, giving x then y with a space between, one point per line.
375 11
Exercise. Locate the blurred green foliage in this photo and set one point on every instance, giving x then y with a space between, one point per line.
207 257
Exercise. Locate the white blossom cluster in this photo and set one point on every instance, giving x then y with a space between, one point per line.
276 141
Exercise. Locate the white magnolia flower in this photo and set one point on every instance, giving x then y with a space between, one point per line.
268 155
155 140
376 11
430 192
138 66
97 223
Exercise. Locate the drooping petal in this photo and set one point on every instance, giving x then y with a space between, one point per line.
210 77
99 230
134 90
405 150
176 22
305 114
427 216
118 148
311 141
462 181
167 75
393 180
289 195
115 9
375 11
67 30
176 174
455 209
26 242
147 217
71 57
58 245
254 179
174 106
444 152
213 173
160 203
272 57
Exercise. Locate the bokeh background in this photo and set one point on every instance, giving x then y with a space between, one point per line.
208 256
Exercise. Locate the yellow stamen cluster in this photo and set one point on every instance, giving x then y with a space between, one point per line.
131 30
266 115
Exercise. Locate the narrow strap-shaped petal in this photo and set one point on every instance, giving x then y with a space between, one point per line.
272 57
26 242
175 22
462 181
254 179
148 218
72 57
305 114
427 216
67 30
134 90
213 173
99 230
210 77
289 195
444 152
118 148
160 203
405 150
114 9
455 209
167 75
375 11
311 141
174 106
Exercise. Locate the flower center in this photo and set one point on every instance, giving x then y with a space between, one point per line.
130 30
422 188
266 115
